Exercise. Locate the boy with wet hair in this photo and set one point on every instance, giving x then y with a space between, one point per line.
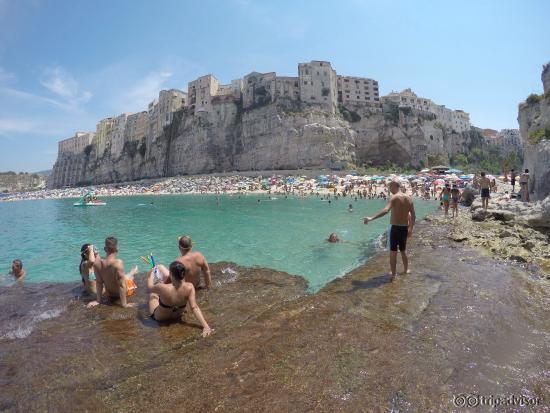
17 270
109 273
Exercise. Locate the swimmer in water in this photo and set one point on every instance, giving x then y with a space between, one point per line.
333 238
17 270
350 208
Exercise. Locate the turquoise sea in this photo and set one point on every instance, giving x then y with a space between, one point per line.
278 233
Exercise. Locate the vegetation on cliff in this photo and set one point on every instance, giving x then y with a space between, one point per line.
538 135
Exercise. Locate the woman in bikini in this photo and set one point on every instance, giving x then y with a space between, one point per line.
168 301
86 268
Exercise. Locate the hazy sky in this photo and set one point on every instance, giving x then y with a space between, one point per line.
66 64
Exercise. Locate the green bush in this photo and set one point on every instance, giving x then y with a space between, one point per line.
533 98
538 135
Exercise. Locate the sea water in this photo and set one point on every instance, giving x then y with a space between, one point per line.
286 234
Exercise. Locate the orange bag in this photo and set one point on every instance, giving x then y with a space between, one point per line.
131 287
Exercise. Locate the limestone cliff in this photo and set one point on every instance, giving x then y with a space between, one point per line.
285 134
534 125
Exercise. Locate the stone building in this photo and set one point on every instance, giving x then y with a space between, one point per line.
136 127
457 120
117 134
318 84
287 87
103 135
358 91
75 144
200 93
258 88
160 112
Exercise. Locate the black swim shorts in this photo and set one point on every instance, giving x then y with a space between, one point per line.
398 237
485 193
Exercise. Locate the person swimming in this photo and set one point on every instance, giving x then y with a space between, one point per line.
167 302
333 238
17 271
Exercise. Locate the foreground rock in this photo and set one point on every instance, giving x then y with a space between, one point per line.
460 323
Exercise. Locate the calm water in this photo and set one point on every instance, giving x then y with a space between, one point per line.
278 233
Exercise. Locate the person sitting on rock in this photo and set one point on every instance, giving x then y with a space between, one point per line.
167 302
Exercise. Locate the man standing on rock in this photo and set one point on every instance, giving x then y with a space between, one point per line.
402 222
485 184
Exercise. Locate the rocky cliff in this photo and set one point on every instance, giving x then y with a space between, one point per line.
282 135
534 125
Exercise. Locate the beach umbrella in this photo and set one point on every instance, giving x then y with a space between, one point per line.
439 182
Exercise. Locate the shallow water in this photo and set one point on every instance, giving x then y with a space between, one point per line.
460 323
278 233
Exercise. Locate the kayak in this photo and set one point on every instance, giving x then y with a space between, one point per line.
86 204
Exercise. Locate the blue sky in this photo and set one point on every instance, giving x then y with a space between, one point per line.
66 64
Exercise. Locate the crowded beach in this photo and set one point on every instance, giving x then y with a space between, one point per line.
427 183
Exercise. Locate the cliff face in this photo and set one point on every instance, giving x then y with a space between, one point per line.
534 126
281 135
407 137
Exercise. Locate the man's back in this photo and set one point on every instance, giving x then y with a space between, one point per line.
108 269
193 262
401 207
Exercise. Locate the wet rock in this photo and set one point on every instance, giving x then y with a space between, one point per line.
459 237
544 266
519 254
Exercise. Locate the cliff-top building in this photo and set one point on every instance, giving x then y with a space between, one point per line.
76 143
457 120
358 91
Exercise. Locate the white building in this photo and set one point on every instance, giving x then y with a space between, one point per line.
457 120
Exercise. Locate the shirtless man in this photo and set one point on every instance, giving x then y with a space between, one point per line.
402 222
194 263
17 270
109 272
485 184
524 185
